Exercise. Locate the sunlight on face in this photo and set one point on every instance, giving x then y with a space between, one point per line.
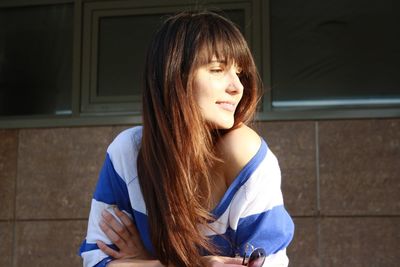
218 91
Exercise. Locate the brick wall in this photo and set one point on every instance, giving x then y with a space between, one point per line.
341 183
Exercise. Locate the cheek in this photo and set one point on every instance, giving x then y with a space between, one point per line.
203 91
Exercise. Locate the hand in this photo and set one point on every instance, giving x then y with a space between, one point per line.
218 261
208 261
125 236
134 263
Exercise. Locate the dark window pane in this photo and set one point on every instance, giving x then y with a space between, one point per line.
335 50
123 43
36 60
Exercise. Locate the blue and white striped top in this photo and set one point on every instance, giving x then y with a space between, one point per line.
250 212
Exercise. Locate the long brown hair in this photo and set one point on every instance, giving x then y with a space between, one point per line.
177 149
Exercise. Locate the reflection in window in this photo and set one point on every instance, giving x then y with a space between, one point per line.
338 52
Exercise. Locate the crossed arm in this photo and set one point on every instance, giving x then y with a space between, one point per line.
131 250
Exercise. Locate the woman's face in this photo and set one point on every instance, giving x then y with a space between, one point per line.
218 90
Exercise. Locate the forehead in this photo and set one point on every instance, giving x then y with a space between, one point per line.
217 51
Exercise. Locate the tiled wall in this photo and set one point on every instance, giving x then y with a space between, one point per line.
341 181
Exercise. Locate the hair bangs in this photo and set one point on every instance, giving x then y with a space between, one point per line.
220 41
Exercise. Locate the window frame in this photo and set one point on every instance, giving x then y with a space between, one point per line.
88 110
91 103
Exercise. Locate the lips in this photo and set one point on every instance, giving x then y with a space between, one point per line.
227 105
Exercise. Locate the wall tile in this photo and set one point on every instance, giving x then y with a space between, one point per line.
118 129
359 167
49 243
294 145
303 251
58 170
8 172
6 244
362 241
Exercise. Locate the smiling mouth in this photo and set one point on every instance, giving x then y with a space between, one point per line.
228 106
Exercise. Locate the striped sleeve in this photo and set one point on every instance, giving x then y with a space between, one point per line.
111 190
262 219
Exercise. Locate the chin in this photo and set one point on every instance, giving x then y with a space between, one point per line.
224 125
221 123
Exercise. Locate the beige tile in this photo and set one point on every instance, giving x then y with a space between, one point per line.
118 129
360 242
6 244
359 167
49 243
58 170
303 251
8 172
294 145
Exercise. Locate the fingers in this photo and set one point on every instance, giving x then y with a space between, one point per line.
113 230
134 237
234 261
231 262
109 251
220 261
118 231
122 232
127 221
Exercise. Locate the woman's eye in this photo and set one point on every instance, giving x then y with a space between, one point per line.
218 70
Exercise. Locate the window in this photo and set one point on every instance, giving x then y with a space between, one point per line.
338 53
36 60
116 36
70 62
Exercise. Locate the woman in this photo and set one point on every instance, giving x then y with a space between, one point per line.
195 179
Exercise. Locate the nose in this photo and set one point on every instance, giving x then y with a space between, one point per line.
235 85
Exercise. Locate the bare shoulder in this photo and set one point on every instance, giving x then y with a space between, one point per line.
242 142
237 148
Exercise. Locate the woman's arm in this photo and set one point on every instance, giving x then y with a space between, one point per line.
131 251
208 261
111 190
134 263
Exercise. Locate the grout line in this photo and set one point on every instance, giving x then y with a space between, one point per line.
349 216
317 168
48 220
335 216
14 219
318 194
